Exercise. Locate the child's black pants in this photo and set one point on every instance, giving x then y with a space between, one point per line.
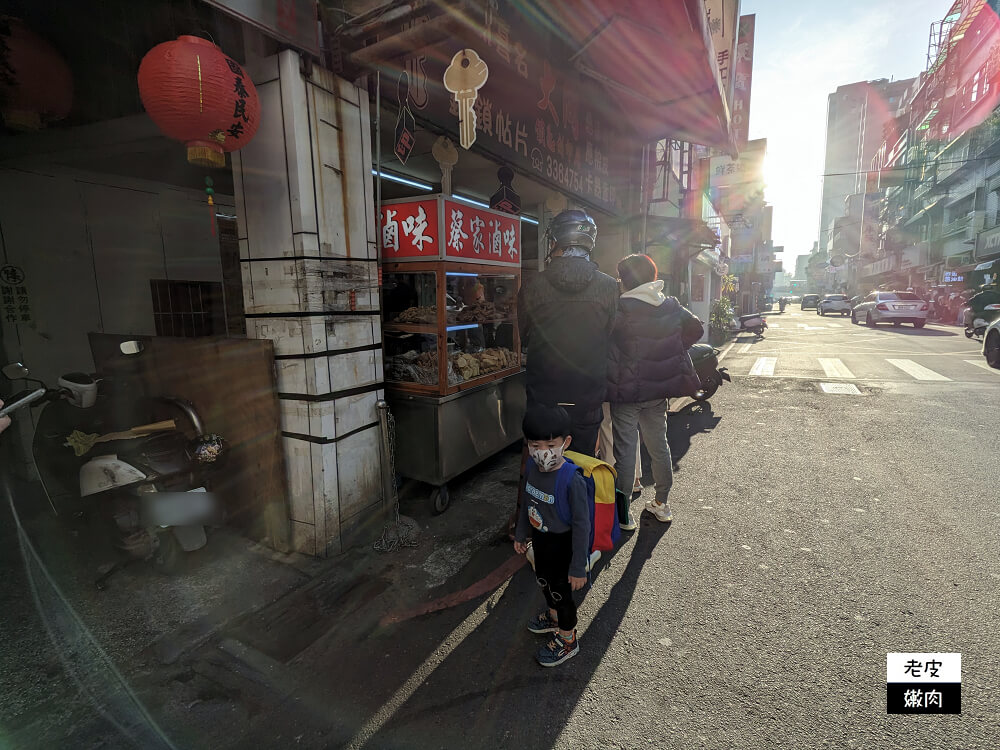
553 553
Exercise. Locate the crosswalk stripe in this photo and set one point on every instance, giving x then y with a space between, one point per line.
985 366
919 372
764 366
744 349
774 325
834 368
834 325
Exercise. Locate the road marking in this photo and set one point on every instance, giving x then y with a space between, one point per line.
764 366
744 349
834 368
919 372
846 389
985 366
834 325
774 325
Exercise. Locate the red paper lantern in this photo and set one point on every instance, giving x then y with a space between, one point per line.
198 95
42 89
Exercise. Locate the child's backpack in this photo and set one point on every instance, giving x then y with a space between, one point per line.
600 480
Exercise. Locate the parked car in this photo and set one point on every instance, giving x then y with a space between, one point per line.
891 307
795 298
855 301
991 344
834 303
809 301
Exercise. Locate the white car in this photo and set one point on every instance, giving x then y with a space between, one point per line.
891 307
991 344
834 303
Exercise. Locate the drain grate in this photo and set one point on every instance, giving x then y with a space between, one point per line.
848 389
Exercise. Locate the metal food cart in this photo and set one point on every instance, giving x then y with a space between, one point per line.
454 383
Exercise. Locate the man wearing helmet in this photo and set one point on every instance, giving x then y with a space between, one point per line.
566 315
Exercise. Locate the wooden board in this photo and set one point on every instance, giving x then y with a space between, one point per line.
231 383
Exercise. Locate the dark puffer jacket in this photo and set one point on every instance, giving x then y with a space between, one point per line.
648 357
566 315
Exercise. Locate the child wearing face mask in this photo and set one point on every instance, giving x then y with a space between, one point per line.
557 512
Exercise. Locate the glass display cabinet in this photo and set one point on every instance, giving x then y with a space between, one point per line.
449 325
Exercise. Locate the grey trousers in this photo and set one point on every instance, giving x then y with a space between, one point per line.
651 418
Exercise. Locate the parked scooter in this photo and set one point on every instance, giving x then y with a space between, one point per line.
706 363
754 323
976 323
151 482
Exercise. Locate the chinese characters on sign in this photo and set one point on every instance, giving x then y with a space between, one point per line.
16 305
531 113
409 229
924 683
742 78
480 235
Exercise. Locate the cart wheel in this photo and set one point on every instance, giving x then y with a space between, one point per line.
440 499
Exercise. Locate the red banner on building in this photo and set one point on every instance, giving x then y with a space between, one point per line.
410 229
444 229
742 78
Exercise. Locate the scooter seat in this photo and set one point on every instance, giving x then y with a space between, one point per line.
751 316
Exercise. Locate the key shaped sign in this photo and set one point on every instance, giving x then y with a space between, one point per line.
464 77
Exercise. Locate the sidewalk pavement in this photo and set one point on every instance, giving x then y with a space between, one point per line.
217 653
204 651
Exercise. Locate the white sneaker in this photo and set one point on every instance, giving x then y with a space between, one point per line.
594 557
629 525
530 554
660 510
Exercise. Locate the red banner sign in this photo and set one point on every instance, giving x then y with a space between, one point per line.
479 234
410 230
442 228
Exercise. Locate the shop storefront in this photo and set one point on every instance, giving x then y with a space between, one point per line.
496 109
255 271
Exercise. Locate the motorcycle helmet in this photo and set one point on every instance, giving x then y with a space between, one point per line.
573 228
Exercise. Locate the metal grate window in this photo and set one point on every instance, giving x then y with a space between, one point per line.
188 308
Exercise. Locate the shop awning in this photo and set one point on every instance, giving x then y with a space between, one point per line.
656 59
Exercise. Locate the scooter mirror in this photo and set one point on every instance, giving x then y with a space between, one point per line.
16 371
131 347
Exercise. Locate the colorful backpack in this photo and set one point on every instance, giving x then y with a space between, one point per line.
600 480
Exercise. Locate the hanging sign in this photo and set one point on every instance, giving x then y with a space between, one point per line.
506 199
406 127
464 77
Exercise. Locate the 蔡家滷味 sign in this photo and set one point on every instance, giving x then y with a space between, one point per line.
444 229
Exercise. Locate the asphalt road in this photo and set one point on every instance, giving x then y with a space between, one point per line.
815 532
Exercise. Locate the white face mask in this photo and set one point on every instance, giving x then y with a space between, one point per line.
547 459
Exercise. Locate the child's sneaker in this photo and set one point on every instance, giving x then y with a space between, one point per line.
530 554
630 524
660 510
558 650
594 557
543 623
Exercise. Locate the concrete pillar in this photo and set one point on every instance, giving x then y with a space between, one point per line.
304 198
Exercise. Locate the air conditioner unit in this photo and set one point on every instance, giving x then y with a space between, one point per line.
955 261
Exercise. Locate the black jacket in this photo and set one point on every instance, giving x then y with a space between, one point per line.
648 357
565 316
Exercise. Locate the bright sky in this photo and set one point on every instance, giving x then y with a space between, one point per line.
803 51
